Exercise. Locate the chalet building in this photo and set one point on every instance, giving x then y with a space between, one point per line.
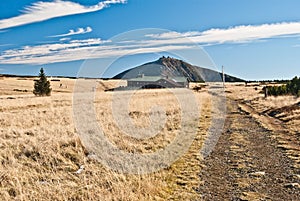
154 82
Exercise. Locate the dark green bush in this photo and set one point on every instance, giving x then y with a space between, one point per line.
292 87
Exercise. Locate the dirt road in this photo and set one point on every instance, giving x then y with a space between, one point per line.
246 164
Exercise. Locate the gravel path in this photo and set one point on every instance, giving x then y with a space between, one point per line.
247 165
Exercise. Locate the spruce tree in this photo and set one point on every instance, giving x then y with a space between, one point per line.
42 85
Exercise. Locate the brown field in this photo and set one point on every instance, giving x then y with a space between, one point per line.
41 152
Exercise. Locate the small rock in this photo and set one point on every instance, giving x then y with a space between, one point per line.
292 185
81 168
92 156
258 174
43 182
294 177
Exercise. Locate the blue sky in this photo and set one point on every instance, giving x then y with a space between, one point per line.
253 39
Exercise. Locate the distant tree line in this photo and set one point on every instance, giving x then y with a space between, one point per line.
268 81
291 87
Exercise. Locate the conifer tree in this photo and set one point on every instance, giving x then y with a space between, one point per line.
42 85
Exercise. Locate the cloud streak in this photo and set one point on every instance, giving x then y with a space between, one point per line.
77 50
3 45
73 32
71 50
238 34
41 11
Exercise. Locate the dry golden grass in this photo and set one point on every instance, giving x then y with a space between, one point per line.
256 100
40 150
19 86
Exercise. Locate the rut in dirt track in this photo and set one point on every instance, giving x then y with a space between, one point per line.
246 165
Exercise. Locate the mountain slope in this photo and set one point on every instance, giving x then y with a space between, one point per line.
173 68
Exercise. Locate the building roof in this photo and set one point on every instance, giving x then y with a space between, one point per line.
179 79
156 78
146 79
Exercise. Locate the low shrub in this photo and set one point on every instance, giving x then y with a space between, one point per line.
291 88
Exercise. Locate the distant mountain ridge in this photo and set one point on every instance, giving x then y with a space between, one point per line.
171 67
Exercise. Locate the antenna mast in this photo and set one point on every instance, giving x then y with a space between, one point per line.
223 76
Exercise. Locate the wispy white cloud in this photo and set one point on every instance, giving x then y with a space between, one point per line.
3 45
64 39
70 50
41 11
73 32
78 50
238 34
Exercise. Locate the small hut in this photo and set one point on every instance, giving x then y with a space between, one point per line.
154 82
